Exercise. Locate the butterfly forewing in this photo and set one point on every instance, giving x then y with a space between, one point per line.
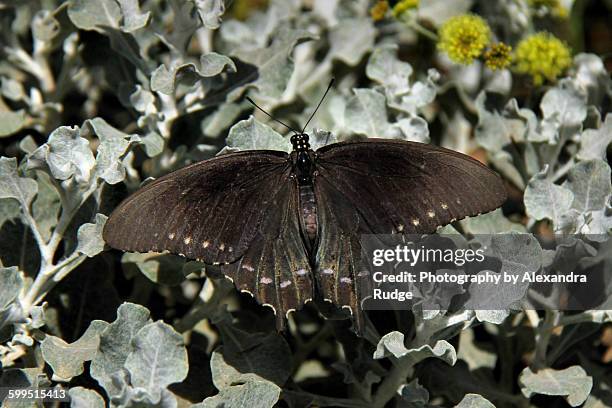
208 211
409 187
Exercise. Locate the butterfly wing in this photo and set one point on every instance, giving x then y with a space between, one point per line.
384 187
208 211
239 211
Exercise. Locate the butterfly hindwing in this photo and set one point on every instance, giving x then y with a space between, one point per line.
275 269
208 211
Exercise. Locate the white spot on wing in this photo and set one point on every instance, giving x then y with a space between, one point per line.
265 280
284 284
444 206
301 272
205 244
416 222
400 227
171 235
248 268
222 247
346 280
431 214
270 306
327 271
187 240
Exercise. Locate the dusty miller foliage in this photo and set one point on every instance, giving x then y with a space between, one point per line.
99 95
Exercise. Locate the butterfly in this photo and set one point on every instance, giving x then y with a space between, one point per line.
286 227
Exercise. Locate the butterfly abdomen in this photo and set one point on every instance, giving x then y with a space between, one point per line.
308 213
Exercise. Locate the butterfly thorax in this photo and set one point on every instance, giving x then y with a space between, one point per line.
303 165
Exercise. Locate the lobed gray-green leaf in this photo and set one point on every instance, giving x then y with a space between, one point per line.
115 344
250 134
573 383
392 344
474 401
252 394
81 397
159 358
13 186
90 238
67 360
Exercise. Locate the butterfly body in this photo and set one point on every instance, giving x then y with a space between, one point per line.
286 228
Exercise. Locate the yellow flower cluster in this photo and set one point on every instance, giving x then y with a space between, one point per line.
498 56
404 5
464 38
543 56
378 11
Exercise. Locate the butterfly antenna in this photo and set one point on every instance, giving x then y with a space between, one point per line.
270 116
321 101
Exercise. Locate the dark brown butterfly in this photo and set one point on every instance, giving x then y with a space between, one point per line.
286 227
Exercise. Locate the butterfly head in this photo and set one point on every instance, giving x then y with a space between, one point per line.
300 142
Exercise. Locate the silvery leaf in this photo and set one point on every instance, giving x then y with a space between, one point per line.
210 12
544 199
413 129
44 26
490 223
94 14
392 344
253 394
594 142
384 68
46 206
85 398
67 154
366 113
128 396
13 186
115 344
12 89
113 146
572 383
67 360
420 94
320 138
413 395
591 76
351 39
590 183
90 237
185 18
212 64
250 134
493 131
563 107
274 65
11 286
133 18
11 121
153 143
159 358
438 11
474 401
165 80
